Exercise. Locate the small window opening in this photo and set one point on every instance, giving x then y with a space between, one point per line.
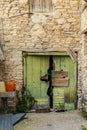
41 6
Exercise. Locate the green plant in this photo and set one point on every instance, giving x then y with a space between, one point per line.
25 101
83 128
84 113
59 106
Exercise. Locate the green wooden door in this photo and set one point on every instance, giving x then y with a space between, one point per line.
36 66
65 63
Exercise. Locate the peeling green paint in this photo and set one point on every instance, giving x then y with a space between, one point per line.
37 64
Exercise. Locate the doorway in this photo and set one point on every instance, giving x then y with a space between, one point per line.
36 65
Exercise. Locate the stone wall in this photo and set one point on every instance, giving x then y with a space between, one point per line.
24 31
84 53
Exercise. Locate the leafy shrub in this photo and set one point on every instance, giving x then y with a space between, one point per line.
25 101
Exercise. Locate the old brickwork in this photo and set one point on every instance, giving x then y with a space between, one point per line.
58 30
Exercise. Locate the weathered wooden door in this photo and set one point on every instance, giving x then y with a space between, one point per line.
65 63
36 66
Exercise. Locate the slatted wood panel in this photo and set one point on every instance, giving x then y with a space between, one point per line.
65 63
58 98
59 74
59 78
40 5
58 82
34 68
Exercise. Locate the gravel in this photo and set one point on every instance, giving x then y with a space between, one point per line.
69 120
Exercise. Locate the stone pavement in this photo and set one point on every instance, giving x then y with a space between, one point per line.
69 120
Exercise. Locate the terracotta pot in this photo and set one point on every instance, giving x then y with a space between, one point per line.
10 86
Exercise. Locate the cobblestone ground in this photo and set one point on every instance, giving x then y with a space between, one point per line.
69 120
